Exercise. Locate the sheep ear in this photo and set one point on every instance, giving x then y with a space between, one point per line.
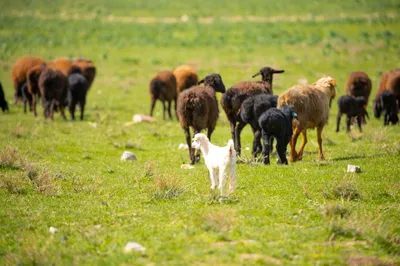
257 74
276 71
201 81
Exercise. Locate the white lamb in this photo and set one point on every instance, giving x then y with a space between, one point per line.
217 160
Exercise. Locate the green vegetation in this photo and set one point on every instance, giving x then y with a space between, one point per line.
68 174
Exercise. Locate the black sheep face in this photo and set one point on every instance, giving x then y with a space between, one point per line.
214 81
377 108
267 72
4 106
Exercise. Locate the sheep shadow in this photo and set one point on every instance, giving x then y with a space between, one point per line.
352 157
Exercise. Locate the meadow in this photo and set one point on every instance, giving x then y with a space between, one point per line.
68 174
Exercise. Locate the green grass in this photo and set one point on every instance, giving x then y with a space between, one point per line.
68 174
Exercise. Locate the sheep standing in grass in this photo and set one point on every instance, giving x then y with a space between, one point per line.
198 108
53 85
390 81
163 88
232 100
386 103
19 73
359 84
78 86
311 103
87 69
277 124
251 110
353 107
3 102
33 93
186 77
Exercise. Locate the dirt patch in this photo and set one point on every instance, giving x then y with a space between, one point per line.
259 257
364 260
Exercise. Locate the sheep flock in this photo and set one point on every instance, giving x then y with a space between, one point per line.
63 83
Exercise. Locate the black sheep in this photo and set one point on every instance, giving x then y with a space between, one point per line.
3 102
27 97
352 107
277 123
251 110
77 90
386 102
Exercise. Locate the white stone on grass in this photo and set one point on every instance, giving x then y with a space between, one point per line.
128 156
133 246
53 230
183 146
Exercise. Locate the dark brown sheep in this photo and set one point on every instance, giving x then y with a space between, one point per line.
198 108
19 72
87 69
359 84
53 85
33 92
163 88
186 77
390 81
232 100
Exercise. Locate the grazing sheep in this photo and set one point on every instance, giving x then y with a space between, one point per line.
198 108
87 69
163 88
19 72
3 102
217 160
186 77
33 92
352 107
390 81
64 64
386 103
311 103
53 85
277 123
232 100
359 84
251 110
77 89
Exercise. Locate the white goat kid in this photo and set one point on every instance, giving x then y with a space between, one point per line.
217 160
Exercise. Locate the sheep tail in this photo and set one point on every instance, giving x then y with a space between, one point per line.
231 147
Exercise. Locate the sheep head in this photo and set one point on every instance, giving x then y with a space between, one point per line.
327 84
198 140
267 72
214 81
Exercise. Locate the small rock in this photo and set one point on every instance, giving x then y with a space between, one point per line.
53 230
183 146
133 246
187 166
137 118
94 125
353 168
128 156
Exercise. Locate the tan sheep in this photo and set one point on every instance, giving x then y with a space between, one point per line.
186 77
20 70
311 103
163 88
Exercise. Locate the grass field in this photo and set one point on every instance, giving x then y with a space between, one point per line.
68 175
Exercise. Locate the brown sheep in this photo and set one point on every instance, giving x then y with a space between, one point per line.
19 72
198 108
186 77
87 69
359 84
53 85
163 87
390 81
311 103
32 78
232 100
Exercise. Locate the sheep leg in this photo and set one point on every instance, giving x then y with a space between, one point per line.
319 134
293 141
238 130
169 110
266 148
348 122
233 126
51 112
222 180
164 109
176 112
153 104
257 148
359 121
280 147
34 99
213 178
62 107
72 109
338 117
232 178
197 155
303 144
82 106
188 142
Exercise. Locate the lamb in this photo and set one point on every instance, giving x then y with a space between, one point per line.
19 72
352 107
232 100
386 103
311 103
53 85
3 102
277 123
251 110
78 87
218 160
186 77
163 88
198 108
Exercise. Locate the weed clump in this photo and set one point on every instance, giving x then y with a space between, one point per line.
167 186
342 189
10 158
